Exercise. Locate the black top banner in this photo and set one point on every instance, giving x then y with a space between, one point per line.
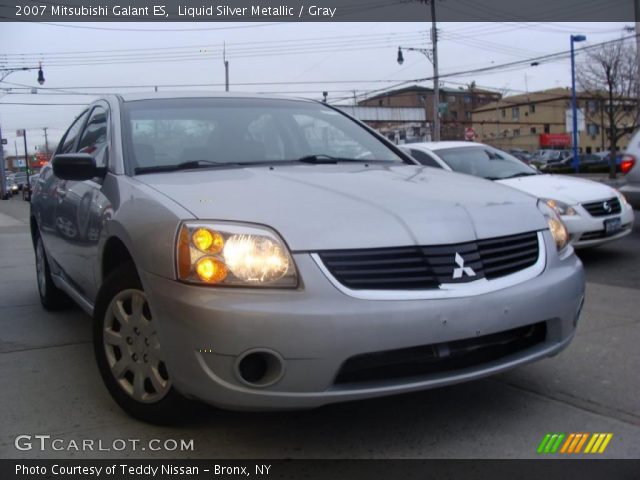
318 11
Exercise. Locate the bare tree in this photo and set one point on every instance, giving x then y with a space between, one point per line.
609 76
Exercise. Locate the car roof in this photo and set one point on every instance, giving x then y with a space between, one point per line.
132 97
445 144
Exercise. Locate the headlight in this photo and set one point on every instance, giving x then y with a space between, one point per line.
557 228
561 208
233 254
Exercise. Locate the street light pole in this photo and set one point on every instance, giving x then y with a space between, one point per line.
226 67
574 109
3 182
436 79
46 140
436 92
26 155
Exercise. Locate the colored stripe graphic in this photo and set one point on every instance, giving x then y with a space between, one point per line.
567 443
556 445
605 443
543 443
550 443
581 442
594 437
598 442
573 443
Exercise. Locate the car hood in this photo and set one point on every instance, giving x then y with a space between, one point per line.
566 189
322 207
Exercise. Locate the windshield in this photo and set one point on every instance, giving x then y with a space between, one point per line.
210 132
484 161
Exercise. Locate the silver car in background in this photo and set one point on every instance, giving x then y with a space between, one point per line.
268 253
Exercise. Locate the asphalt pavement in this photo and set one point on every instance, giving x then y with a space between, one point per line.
51 386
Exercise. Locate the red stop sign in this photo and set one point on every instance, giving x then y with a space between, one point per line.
469 133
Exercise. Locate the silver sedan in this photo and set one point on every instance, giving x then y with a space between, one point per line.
268 253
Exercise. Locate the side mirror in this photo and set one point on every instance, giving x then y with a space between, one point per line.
76 166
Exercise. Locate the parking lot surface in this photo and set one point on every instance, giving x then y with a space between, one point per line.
51 386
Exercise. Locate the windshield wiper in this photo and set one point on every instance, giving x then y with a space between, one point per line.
328 159
186 166
519 174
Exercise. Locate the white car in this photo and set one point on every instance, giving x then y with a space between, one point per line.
593 213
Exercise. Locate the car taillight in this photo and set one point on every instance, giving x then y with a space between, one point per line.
627 163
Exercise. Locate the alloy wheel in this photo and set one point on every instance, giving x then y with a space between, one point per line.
132 348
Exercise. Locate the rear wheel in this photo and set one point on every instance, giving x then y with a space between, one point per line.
51 297
129 354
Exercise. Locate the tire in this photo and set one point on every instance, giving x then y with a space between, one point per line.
51 297
128 352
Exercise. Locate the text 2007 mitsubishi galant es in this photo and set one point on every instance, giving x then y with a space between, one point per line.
268 253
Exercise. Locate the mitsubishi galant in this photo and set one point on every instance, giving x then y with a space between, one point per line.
257 253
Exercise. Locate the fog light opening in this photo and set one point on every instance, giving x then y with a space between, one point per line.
259 368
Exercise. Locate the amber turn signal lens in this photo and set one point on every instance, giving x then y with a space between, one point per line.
211 270
207 241
184 255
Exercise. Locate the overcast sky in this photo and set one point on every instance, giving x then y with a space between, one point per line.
337 57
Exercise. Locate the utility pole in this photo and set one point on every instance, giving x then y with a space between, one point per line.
226 68
436 80
26 154
46 141
636 11
3 184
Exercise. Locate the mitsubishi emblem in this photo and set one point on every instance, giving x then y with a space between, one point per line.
461 270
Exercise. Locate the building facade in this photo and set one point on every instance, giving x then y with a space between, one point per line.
456 106
537 120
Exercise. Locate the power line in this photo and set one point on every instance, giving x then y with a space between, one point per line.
212 46
514 65
294 50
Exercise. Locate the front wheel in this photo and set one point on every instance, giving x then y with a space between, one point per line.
128 351
51 297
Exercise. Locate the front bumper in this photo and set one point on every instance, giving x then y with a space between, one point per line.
313 330
588 231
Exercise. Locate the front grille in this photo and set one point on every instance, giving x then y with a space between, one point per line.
603 207
440 357
421 268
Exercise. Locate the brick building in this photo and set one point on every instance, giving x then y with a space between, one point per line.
456 105
536 120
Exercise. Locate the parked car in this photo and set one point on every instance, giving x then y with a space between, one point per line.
241 259
631 170
594 213
12 186
565 164
606 156
592 160
522 155
21 179
542 157
8 190
588 163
